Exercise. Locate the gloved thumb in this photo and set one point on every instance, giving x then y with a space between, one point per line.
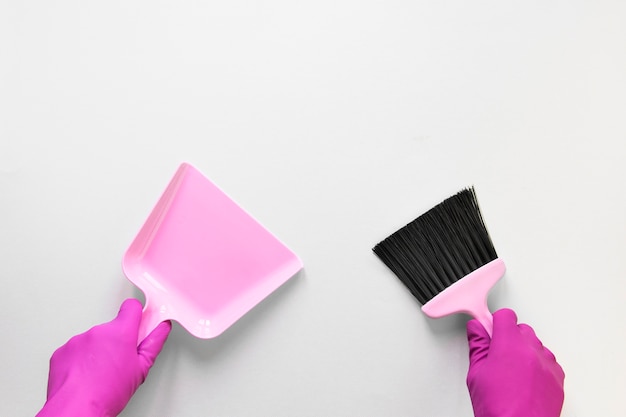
128 318
478 340
151 346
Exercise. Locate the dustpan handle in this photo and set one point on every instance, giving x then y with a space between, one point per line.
151 316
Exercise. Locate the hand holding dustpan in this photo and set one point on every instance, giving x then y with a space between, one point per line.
201 260
97 372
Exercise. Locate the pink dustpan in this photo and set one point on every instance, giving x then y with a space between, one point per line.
201 260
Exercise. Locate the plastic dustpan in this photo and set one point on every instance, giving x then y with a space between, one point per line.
201 260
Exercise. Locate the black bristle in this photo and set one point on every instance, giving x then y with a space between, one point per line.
439 247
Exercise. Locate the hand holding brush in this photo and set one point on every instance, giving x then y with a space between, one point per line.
445 257
512 374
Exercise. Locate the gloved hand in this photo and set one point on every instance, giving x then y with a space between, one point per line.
512 374
97 372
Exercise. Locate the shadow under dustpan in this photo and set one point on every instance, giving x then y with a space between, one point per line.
203 261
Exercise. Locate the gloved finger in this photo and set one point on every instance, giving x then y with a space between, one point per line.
557 370
529 333
478 340
527 330
549 354
129 318
504 324
151 346
559 373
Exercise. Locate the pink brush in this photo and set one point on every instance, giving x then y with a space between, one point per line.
203 261
446 259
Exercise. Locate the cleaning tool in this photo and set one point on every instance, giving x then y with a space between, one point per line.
203 261
445 257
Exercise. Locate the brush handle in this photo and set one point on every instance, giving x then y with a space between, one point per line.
468 295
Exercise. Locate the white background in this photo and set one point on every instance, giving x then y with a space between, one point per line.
334 123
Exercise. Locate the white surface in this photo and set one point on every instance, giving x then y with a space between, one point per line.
334 123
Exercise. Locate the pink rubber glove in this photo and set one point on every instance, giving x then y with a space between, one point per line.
512 374
97 372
